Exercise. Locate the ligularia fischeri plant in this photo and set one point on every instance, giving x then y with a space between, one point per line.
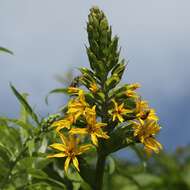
102 115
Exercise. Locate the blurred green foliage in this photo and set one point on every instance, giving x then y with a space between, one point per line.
23 162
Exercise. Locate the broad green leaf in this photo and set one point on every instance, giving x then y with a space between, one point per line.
27 107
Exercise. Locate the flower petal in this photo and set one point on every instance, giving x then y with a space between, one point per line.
84 148
76 163
78 131
66 165
58 155
120 118
94 139
102 134
58 146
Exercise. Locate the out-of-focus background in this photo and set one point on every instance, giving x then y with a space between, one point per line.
48 38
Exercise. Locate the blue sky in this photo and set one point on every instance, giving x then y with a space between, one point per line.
48 38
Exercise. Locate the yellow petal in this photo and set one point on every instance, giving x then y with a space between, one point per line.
84 148
114 117
99 125
58 155
66 165
63 138
72 89
78 131
58 146
153 144
76 163
120 118
94 139
101 134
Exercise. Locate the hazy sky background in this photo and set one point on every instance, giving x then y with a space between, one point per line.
48 37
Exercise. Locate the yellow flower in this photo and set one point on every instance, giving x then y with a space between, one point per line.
144 112
94 128
90 113
152 115
118 111
78 105
93 87
64 123
69 149
145 132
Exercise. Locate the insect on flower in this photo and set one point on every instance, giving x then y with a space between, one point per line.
144 112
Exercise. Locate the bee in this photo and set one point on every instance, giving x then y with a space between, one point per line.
76 82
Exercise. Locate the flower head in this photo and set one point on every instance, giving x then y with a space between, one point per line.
145 132
144 112
78 105
118 111
94 128
69 149
64 123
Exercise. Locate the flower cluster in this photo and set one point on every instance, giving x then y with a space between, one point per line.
99 106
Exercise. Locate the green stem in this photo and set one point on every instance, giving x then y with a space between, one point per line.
100 172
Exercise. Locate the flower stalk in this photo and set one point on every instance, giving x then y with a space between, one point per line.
103 114
100 166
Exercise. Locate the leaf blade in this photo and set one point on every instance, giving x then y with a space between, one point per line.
25 104
2 49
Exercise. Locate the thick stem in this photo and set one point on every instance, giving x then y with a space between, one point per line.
100 172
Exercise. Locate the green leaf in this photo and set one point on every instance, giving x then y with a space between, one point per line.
112 81
31 146
17 122
41 175
111 165
4 153
145 179
23 112
25 104
120 138
56 91
86 172
2 49
37 173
